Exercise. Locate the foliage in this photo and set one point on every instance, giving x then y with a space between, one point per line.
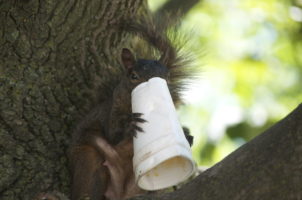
251 73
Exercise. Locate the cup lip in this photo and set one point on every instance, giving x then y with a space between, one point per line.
139 86
181 150
184 155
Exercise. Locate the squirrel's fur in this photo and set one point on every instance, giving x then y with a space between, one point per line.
155 39
111 119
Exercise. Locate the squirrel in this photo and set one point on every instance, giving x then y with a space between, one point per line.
101 151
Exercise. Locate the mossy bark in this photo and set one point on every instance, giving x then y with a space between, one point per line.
51 52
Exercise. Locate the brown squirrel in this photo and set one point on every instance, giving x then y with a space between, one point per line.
101 151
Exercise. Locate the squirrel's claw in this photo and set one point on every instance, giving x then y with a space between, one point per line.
136 117
137 128
133 128
188 136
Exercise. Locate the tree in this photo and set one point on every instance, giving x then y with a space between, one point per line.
51 54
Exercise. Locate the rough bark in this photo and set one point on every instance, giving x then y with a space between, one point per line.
51 52
268 167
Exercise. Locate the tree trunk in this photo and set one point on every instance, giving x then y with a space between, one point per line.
268 167
51 52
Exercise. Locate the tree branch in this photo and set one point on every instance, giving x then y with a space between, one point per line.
268 167
179 7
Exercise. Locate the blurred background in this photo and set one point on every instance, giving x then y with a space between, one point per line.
251 69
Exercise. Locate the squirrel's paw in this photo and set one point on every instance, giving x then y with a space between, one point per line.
188 136
133 128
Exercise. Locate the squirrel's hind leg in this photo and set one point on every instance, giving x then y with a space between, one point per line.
89 175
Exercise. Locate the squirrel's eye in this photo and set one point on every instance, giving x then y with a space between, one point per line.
134 76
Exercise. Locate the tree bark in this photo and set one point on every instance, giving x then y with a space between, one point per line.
51 52
268 167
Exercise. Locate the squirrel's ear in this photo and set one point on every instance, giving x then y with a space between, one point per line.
127 58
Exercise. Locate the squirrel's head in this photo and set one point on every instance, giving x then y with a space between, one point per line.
142 70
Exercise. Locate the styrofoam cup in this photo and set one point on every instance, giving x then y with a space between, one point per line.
162 155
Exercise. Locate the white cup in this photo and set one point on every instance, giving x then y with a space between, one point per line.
162 155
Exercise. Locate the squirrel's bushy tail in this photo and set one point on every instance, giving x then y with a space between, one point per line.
168 47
